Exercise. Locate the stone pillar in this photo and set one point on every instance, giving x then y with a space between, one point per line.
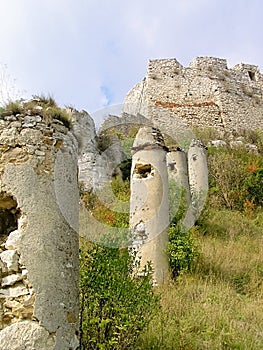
179 189
198 176
38 231
149 206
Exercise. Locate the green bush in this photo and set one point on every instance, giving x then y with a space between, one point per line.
182 250
115 305
254 187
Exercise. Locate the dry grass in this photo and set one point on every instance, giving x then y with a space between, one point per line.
49 111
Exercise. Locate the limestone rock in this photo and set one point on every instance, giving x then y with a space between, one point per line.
14 292
96 165
11 279
13 240
26 335
251 148
39 153
30 121
12 304
218 143
10 258
236 143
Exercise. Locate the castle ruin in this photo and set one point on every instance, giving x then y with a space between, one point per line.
39 197
206 93
38 231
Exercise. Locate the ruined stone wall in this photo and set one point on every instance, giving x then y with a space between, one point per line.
206 93
38 232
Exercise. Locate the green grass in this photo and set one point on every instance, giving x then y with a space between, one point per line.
220 304
217 304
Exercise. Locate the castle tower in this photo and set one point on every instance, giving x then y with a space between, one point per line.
149 206
38 230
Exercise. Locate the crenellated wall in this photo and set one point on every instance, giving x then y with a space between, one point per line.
206 93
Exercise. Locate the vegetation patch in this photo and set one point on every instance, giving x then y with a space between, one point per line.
116 304
45 107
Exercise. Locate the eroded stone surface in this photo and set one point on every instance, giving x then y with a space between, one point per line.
14 292
11 279
10 259
149 205
26 335
13 240
39 256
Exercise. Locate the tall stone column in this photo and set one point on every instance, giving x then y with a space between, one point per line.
188 176
179 188
149 206
38 232
198 176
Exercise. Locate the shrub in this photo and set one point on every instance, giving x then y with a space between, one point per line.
115 306
111 214
103 141
121 189
253 185
182 250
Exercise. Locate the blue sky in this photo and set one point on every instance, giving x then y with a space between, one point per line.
90 53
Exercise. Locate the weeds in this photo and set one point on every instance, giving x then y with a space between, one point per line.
48 109
115 307
217 304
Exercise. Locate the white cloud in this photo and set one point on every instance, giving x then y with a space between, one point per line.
74 48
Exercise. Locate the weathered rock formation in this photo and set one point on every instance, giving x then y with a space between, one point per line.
99 154
38 231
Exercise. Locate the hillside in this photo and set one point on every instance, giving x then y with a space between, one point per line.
218 304
215 302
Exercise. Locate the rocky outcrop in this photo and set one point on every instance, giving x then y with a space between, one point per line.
99 154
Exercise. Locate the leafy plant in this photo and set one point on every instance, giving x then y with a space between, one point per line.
121 189
182 250
254 186
116 304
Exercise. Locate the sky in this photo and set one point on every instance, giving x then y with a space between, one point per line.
89 53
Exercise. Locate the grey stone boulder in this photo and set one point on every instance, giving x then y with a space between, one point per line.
26 335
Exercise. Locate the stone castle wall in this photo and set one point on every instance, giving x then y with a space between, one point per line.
38 233
206 93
